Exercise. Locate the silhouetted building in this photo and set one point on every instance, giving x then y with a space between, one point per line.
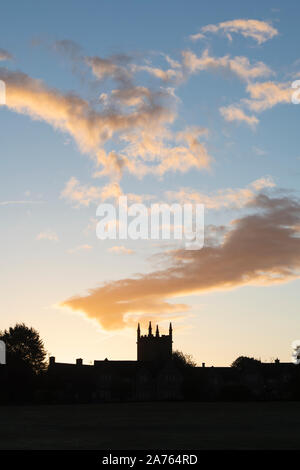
156 376
153 376
154 347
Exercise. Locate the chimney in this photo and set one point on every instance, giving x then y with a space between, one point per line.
78 362
51 361
203 364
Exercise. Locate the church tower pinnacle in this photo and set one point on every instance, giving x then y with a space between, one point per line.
138 331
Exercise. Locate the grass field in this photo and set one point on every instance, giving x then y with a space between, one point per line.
145 426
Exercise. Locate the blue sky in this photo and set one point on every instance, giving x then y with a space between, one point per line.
50 252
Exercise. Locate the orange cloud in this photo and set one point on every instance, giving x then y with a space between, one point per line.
229 198
144 126
164 75
47 235
260 248
239 65
144 146
120 250
265 95
83 195
261 31
234 113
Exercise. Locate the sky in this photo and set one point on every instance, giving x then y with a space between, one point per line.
162 102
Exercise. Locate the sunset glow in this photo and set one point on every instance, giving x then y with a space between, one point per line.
165 103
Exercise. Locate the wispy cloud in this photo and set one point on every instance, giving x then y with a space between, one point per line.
138 118
234 113
223 198
258 151
20 202
260 31
84 195
48 235
147 122
265 95
5 55
239 65
120 250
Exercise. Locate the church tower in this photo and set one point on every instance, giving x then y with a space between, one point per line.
154 347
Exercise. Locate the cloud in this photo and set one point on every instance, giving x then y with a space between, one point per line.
74 53
261 248
136 118
265 95
47 235
190 152
72 114
168 75
120 250
80 248
13 203
92 129
68 48
260 152
68 113
118 67
133 96
114 67
4 55
223 198
84 195
260 31
239 65
235 113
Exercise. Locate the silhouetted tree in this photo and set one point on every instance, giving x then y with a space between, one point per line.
24 347
183 361
244 362
186 365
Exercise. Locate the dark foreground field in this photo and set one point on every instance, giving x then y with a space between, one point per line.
152 426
